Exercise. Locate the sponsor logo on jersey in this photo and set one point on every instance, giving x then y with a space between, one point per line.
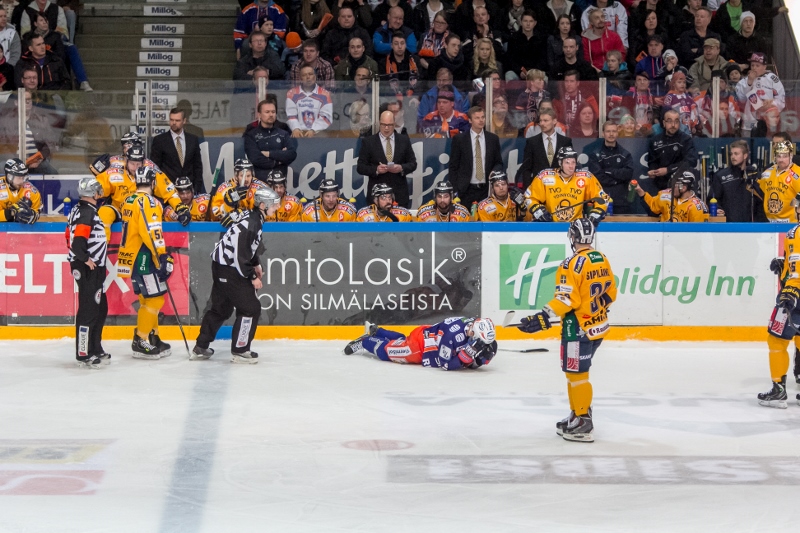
444 353
598 330
398 351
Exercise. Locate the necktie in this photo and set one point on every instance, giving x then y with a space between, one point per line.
179 148
389 154
478 160
550 150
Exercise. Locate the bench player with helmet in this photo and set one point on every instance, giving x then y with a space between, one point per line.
329 206
443 207
505 203
779 184
383 208
289 206
198 205
584 291
452 344
678 204
236 195
20 201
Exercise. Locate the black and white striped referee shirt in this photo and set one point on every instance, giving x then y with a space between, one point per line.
238 248
86 236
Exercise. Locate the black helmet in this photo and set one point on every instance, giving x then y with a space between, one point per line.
566 152
276 177
130 137
379 189
497 175
135 152
443 187
16 167
145 176
242 164
183 183
685 178
581 231
328 185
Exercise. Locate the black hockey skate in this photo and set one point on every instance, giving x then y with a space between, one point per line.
776 397
143 349
355 346
201 354
89 361
105 357
244 358
164 349
370 328
579 428
563 423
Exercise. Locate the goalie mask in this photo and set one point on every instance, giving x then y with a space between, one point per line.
783 147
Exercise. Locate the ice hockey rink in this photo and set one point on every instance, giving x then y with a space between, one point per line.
310 440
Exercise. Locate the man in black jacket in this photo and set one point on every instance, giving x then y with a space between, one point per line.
571 61
267 146
387 157
237 273
525 47
452 59
732 187
260 55
612 165
177 152
473 156
541 149
670 151
337 40
53 73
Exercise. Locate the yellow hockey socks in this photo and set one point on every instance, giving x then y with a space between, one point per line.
580 393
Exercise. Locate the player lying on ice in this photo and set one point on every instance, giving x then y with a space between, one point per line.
453 344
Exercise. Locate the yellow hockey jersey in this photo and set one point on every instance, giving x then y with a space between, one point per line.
118 184
791 266
289 211
581 280
493 210
370 214
135 230
779 189
218 206
343 212
429 213
550 189
198 208
9 197
690 209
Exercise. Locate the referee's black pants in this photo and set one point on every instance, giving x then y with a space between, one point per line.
231 291
92 309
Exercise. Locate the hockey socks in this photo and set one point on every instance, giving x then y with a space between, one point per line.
147 319
388 334
778 357
579 391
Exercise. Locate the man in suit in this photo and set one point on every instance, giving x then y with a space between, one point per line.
473 156
387 157
541 149
177 152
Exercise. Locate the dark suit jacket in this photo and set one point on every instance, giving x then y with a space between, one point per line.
371 155
535 158
164 154
462 158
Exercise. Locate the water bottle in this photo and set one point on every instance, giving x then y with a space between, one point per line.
712 207
610 208
474 211
67 206
632 190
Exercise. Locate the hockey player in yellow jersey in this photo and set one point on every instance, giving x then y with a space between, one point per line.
585 288
559 194
780 183
329 207
784 324
119 183
443 207
382 208
289 207
143 257
105 161
198 205
505 203
20 201
238 193
680 204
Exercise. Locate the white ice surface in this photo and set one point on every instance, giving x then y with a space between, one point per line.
294 444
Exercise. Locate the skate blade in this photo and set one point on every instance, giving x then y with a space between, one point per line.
578 437
87 366
196 357
165 353
777 404
559 432
152 357
243 360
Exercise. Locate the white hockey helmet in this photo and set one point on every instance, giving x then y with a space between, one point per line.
483 330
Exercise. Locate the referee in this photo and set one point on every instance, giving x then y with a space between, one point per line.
237 276
87 260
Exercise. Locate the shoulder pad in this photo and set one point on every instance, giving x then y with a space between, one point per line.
30 186
397 210
486 202
290 198
546 172
202 197
583 173
462 209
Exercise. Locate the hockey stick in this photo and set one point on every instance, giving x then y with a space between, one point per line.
527 350
597 200
169 292
214 187
508 321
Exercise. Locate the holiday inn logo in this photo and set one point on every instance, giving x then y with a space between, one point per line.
527 274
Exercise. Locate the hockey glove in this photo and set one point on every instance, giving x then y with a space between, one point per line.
468 353
788 298
231 218
776 265
233 196
184 214
534 323
517 196
165 266
100 164
26 215
10 213
540 214
596 215
485 355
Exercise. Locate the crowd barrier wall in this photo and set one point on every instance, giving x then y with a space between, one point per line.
676 281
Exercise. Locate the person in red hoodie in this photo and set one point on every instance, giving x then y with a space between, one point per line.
598 40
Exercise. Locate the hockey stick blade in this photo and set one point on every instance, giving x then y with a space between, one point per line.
527 350
508 319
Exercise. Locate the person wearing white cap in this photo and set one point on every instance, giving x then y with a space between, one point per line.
671 66
760 91
746 41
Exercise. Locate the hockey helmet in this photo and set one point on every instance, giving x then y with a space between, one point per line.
483 330
16 167
443 187
328 185
581 231
379 189
276 177
183 183
130 138
266 196
497 175
89 187
242 164
783 147
566 152
685 178
135 152
145 176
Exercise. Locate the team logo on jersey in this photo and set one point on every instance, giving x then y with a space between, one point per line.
580 183
774 204
566 214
